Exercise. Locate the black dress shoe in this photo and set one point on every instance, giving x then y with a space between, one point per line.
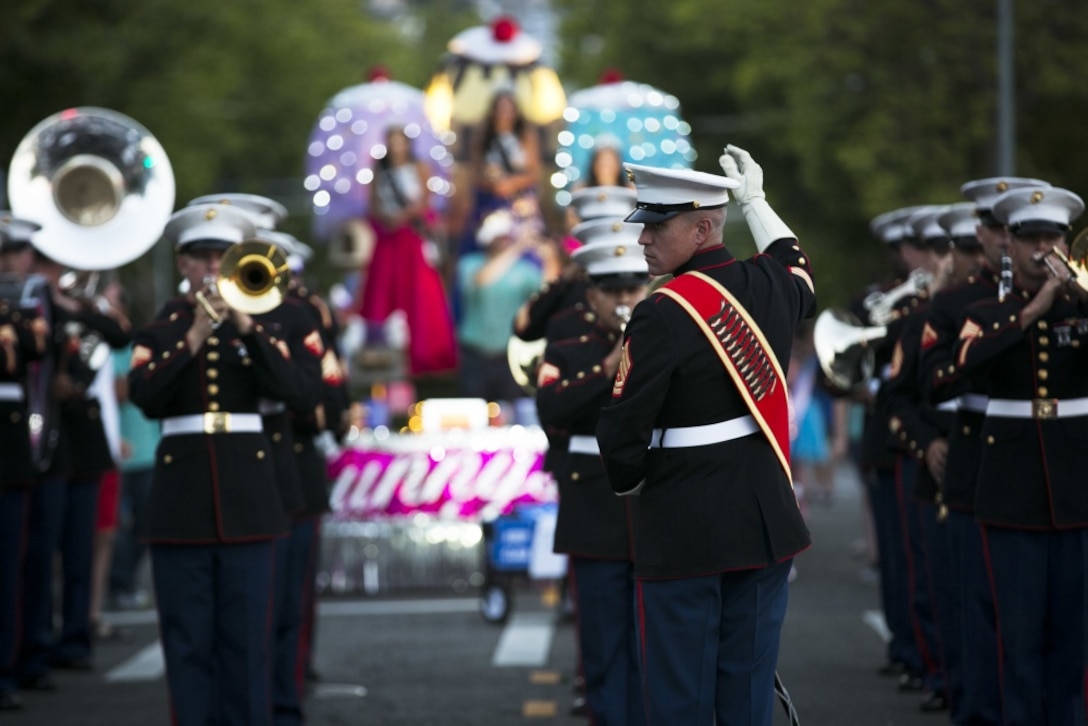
892 668
37 683
911 682
934 702
580 707
10 701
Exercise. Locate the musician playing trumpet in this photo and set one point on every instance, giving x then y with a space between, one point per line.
594 526
214 511
1031 350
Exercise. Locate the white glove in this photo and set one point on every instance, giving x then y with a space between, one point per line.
766 226
739 166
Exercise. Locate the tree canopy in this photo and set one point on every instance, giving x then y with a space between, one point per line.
852 107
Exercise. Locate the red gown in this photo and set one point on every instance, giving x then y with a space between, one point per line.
401 278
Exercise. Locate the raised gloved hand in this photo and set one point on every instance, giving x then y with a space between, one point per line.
766 226
739 166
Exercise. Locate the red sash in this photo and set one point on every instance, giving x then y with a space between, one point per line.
744 353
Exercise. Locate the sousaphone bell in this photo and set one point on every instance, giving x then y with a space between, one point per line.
844 348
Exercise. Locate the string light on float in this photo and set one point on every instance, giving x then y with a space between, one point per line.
644 124
348 139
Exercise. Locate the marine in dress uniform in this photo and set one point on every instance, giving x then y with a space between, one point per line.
24 334
698 429
1030 347
214 509
970 226
568 292
292 322
594 527
563 296
882 469
64 502
921 432
316 432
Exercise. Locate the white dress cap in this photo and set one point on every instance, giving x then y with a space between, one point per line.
665 193
610 230
267 213
926 229
959 222
612 259
984 192
208 226
15 232
1038 210
596 202
891 227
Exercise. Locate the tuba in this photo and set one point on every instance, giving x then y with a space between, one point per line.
844 348
98 183
102 189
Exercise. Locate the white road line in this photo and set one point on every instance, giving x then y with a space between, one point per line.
525 641
147 665
336 609
875 620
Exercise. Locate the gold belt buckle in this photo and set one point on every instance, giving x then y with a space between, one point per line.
217 422
1043 408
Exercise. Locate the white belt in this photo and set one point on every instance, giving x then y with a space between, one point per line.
715 433
584 445
1038 408
212 423
948 405
268 407
973 402
11 392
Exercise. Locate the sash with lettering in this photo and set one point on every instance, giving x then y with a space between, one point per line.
743 351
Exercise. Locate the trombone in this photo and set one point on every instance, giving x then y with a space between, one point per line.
253 279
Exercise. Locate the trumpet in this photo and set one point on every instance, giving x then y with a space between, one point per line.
881 305
1072 270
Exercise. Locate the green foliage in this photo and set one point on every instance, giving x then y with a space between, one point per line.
852 107
231 90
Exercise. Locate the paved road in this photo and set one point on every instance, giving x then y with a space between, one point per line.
429 658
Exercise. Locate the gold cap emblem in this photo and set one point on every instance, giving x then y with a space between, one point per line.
1036 197
210 215
617 226
695 204
601 197
1002 186
620 251
630 175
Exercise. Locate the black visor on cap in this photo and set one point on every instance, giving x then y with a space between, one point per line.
643 215
649 213
966 242
620 280
1037 226
204 245
986 217
942 243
